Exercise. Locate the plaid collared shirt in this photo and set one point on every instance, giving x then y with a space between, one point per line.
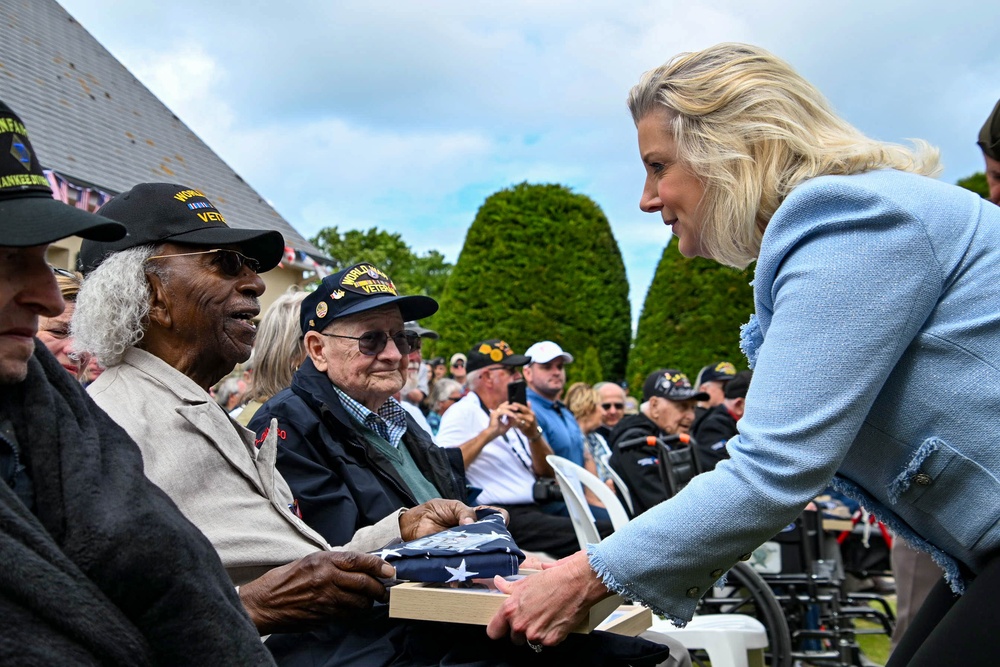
389 422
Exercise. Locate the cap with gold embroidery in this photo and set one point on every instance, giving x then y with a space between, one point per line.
354 290
156 213
29 216
672 385
493 351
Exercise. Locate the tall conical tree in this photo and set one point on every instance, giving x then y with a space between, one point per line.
691 316
539 263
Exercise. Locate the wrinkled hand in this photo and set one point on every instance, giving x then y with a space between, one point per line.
308 592
545 607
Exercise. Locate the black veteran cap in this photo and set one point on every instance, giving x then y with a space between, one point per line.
493 351
29 215
989 136
672 385
720 371
160 212
354 290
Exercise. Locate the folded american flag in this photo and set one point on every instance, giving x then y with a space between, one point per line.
478 550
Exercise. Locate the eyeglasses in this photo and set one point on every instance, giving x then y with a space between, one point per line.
63 272
616 406
371 343
454 398
458 364
417 342
230 261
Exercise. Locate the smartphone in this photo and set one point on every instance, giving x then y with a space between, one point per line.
517 392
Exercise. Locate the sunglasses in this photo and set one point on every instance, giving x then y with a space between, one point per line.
63 272
371 343
458 364
230 261
453 398
616 406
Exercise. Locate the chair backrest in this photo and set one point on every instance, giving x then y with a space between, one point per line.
619 483
574 478
579 511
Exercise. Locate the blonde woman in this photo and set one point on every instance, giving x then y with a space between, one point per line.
874 347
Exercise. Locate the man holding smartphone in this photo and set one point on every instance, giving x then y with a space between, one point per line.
503 447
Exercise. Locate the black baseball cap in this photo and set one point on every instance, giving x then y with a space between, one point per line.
989 135
738 386
29 216
493 351
161 212
720 371
354 290
672 385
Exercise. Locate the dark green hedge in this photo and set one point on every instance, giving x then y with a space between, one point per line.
540 262
691 317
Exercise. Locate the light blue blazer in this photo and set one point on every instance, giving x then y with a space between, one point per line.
876 356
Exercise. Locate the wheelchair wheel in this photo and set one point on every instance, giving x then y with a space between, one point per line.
747 593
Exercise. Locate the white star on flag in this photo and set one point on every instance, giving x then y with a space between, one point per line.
459 573
387 552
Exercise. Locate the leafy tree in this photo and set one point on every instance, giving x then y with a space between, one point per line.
412 274
691 317
539 263
585 368
976 183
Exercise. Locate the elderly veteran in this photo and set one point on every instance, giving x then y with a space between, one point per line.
989 143
99 566
349 451
168 311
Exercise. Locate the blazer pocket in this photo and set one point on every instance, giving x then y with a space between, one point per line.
940 481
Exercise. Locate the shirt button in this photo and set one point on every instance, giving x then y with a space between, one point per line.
715 574
693 592
923 479
746 556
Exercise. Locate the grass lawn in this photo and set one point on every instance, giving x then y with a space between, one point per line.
875 647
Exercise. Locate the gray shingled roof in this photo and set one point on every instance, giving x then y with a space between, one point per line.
94 122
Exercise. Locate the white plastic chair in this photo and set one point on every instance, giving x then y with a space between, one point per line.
619 484
731 640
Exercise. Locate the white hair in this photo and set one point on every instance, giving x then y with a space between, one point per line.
472 378
441 390
112 308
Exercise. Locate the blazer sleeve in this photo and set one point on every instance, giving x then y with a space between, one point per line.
845 280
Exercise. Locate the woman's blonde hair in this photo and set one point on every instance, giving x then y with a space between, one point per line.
581 399
752 129
278 351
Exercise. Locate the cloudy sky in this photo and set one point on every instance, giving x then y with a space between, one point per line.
406 115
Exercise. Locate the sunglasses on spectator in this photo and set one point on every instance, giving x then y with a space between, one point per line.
62 272
230 261
371 343
458 364
454 398
616 406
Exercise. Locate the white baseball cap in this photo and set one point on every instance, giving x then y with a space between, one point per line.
546 351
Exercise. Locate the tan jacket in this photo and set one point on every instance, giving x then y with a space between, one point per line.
209 465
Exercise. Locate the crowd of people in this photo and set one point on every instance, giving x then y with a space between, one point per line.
160 509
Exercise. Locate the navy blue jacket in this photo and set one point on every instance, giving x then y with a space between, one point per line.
340 482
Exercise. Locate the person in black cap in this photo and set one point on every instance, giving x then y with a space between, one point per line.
349 451
668 410
989 142
719 424
101 568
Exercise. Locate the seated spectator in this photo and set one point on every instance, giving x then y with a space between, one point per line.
350 452
712 431
545 375
446 392
54 331
417 385
100 568
583 402
989 143
504 449
456 368
612 406
669 403
277 353
712 380
183 322
230 394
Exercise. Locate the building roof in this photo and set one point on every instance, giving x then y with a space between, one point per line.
95 123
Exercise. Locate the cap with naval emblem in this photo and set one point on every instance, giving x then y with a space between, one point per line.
354 290
672 385
29 216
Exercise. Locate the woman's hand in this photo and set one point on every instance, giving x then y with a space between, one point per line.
545 607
